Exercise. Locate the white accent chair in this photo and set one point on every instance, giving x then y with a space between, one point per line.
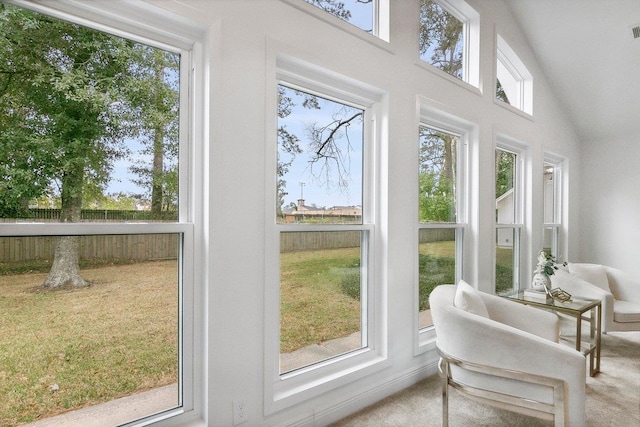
619 293
506 355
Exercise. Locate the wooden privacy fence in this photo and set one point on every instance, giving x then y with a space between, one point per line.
147 247
437 234
100 215
317 240
139 247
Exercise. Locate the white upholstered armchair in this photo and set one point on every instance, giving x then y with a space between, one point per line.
619 293
507 355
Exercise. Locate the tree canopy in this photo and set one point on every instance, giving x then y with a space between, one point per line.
71 98
441 41
437 176
58 123
442 46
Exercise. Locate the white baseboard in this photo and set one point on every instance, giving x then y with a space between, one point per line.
326 416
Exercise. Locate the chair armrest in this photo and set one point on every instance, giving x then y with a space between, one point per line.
577 286
581 289
489 342
623 286
529 319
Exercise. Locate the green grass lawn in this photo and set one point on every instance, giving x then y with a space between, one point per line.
504 269
436 267
70 348
313 307
320 291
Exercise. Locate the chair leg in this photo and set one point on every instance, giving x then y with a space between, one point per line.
444 372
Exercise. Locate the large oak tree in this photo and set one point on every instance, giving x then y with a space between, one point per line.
66 109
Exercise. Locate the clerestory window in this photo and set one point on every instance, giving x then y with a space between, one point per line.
449 38
371 16
514 83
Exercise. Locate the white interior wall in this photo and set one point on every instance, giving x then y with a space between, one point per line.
244 36
609 175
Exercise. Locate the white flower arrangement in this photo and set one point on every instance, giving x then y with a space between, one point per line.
546 264
546 267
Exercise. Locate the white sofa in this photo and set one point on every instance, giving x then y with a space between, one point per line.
619 293
507 355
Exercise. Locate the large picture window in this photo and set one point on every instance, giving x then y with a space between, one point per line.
508 219
439 224
324 238
442 150
552 203
324 283
97 230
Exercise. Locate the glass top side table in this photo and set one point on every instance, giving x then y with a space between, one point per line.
575 308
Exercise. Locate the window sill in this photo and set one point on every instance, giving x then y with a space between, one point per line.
448 77
295 388
425 341
513 109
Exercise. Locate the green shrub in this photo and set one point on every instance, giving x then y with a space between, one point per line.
350 284
504 279
434 271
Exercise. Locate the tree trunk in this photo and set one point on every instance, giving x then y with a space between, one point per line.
65 270
157 173
449 156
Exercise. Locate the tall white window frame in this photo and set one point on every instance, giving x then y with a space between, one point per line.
553 198
285 389
470 19
513 229
465 132
514 77
155 27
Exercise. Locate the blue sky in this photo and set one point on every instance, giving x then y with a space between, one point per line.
320 188
121 177
361 14
315 191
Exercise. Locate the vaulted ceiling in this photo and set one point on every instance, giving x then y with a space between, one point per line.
591 59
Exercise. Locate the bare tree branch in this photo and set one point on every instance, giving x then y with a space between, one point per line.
339 125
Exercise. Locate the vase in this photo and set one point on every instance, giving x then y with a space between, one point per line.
541 282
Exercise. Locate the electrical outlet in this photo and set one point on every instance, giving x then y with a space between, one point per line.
240 412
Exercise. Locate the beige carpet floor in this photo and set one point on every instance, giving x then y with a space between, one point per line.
613 397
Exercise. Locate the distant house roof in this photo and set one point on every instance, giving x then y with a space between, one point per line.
292 209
